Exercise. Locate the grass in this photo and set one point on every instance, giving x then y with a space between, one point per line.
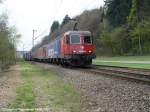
125 58
25 96
100 61
64 96
132 65
42 88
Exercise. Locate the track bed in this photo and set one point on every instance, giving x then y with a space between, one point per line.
103 93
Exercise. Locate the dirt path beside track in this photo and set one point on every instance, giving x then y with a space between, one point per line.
8 83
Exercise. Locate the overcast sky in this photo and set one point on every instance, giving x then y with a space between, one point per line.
27 15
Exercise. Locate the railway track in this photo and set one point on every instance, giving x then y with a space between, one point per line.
122 72
142 75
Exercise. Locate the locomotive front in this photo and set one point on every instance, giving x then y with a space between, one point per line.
79 48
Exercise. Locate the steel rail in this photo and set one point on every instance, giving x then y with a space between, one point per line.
124 72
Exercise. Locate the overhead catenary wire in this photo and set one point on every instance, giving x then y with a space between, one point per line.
42 34
56 13
91 3
83 9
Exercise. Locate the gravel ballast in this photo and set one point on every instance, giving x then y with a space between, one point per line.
106 94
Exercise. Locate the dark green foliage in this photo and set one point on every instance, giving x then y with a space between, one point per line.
131 36
54 26
66 20
117 11
140 36
116 41
143 8
133 12
139 21
139 11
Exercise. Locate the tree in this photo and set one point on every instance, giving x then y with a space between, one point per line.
7 46
140 35
14 36
138 21
117 11
65 20
54 26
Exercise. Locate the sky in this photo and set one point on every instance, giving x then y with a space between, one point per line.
27 15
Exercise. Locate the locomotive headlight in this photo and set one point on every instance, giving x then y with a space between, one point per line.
74 51
90 51
82 47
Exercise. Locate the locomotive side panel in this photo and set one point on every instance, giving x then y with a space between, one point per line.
65 47
53 49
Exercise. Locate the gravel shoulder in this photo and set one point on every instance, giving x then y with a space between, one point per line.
106 94
41 88
8 83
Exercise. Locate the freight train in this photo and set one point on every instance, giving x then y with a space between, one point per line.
73 48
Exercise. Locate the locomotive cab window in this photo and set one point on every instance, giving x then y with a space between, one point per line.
75 39
87 39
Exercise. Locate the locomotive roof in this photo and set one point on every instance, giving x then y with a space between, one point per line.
79 32
68 33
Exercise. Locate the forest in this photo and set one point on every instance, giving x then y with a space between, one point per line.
119 28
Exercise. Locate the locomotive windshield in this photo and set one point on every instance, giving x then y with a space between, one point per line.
75 39
87 39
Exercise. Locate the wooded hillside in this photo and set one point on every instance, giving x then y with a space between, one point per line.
120 27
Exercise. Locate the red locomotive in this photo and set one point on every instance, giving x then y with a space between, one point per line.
74 48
